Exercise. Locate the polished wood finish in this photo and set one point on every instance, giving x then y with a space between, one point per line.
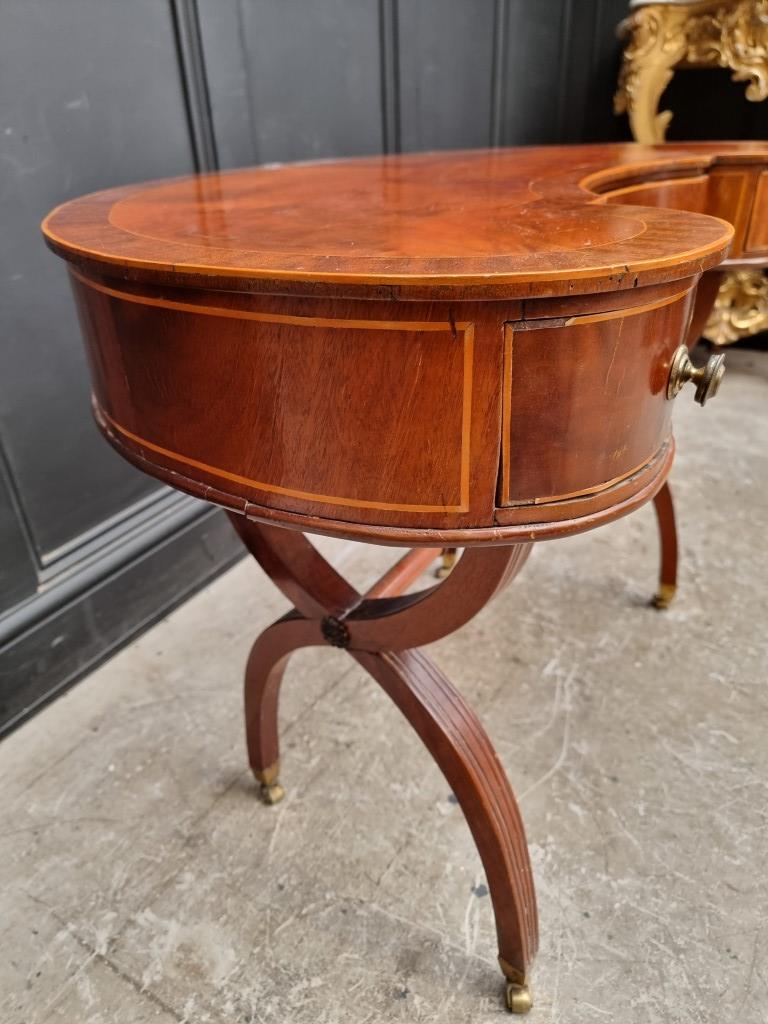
665 518
706 293
418 421
561 396
756 242
404 572
464 350
430 400
528 219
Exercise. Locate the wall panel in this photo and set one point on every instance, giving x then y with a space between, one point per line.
90 96
293 80
446 68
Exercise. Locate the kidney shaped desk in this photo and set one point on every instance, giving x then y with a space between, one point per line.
473 350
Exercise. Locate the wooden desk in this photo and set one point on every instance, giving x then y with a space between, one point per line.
472 349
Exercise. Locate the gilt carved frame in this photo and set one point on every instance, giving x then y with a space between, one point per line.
661 37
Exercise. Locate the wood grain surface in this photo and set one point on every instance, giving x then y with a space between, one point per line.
436 349
523 218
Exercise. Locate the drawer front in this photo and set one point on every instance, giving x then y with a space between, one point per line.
314 410
584 403
730 192
374 414
757 235
669 193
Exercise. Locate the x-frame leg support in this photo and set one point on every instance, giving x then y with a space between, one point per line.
383 631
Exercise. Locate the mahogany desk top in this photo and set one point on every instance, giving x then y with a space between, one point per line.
532 220
475 349
348 299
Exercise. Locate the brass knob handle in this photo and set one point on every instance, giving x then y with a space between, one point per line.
707 378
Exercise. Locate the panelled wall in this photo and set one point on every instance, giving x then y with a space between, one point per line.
91 94
295 80
96 93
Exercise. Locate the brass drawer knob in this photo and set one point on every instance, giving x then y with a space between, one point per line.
707 378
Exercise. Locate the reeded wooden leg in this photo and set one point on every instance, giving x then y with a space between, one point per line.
665 517
453 735
264 672
656 44
383 632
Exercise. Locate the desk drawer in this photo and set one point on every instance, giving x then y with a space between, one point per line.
584 401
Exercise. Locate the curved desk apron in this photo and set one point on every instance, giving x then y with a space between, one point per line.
472 349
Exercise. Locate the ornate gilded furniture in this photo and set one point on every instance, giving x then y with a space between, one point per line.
663 36
477 349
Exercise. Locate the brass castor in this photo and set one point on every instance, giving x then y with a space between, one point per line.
519 998
665 596
270 791
447 561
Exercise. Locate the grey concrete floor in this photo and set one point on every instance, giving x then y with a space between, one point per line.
141 880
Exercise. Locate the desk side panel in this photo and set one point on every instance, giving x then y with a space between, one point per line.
375 413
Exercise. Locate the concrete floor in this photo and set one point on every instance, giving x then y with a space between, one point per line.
141 880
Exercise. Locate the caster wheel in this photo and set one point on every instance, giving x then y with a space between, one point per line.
272 793
665 596
519 998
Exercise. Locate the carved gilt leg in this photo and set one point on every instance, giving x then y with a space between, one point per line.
383 633
708 33
656 44
740 309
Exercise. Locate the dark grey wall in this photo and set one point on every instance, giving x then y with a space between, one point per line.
96 93
295 79
91 95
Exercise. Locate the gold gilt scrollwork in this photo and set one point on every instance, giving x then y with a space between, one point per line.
735 37
740 309
655 45
661 37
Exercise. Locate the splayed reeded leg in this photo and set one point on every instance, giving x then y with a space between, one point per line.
383 632
665 517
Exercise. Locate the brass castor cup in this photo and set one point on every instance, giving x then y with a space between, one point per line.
665 596
272 794
270 790
448 558
519 998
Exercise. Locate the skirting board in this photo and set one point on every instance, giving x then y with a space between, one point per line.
60 647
